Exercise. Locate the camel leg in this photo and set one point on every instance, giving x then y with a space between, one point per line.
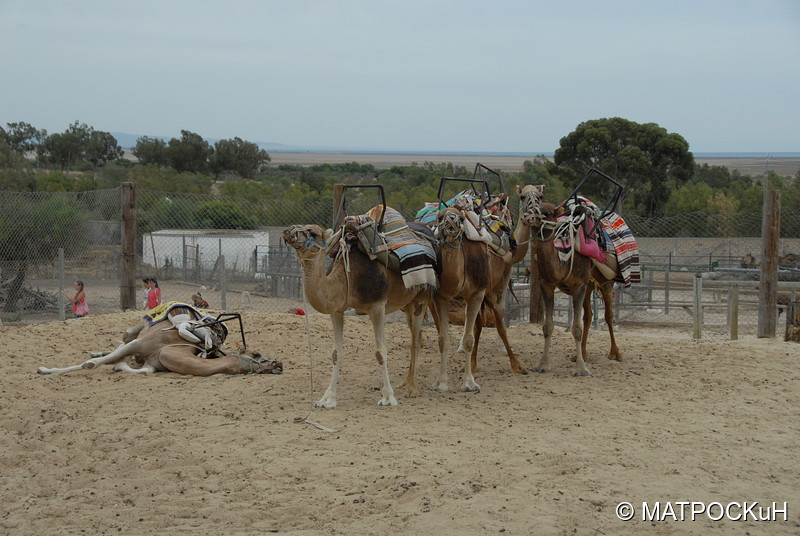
473 358
378 317
414 316
473 308
444 342
133 332
499 310
120 353
578 300
182 360
607 290
548 296
328 399
587 321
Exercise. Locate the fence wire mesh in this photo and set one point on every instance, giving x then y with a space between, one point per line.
231 252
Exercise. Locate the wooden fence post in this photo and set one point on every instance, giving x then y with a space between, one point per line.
698 306
768 289
733 304
223 283
338 192
61 300
127 273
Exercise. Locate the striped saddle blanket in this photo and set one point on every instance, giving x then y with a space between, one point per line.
400 247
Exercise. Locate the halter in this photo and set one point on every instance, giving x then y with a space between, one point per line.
530 201
451 229
311 241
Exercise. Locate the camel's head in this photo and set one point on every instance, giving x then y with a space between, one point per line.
450 225
306 239
253 362
535 217
530 196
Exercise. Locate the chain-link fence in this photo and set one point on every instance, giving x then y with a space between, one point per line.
221 249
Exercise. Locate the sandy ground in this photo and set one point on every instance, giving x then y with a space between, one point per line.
98 452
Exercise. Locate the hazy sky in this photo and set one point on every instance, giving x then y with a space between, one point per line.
427 75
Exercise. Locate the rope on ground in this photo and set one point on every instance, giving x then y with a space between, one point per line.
307 308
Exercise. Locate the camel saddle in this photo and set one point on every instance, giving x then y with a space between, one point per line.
402 247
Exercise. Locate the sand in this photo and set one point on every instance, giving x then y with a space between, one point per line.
98 452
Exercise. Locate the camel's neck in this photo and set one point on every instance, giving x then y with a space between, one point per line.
325 292
452 263
522 236
547 260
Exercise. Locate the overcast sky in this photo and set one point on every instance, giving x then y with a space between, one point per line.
403 75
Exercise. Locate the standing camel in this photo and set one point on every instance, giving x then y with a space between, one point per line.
604 275
521 236
469 270
355 281
572 276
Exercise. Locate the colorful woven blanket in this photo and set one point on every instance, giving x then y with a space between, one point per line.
157 314
500 236
620 235
414 253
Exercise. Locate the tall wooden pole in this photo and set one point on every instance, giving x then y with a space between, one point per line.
768 288
127 273
338 192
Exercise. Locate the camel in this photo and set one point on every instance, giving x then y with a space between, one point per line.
603 275
573 277
161 347
354 281
486 315
469 271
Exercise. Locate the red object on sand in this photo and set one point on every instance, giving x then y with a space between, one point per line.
297 311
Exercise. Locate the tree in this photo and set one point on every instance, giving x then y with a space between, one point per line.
190 153
22 137
242 157
168 180
649 161
151 151
67 147
718 177
224 214
31 231
101 147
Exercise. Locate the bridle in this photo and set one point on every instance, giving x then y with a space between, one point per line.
451 229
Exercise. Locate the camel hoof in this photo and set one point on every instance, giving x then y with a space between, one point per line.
518 369
615 357
541 370
324 403
471 388
387 402
439 388
582 373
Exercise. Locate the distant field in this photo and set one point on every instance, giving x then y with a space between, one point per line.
510 163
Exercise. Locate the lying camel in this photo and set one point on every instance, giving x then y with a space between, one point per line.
160 347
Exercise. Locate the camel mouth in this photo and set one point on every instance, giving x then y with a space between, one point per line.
531 218
296 235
